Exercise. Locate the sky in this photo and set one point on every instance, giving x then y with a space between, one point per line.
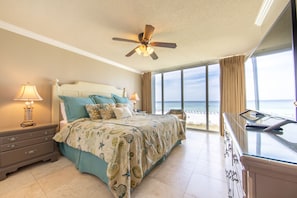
194 84
275 79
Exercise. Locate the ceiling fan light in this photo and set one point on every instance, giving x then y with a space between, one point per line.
149 50
145 45
144 50
145 53
138 51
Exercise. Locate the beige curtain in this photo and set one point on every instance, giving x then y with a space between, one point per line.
147 92
232 82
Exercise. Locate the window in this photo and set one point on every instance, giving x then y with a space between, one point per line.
172 90
270 83
195 97
195 90
214 97
157 106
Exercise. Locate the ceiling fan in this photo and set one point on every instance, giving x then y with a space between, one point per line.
145 45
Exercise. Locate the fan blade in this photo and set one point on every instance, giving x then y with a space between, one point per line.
122 39
140 37
132 52
148 32
154 56
163 44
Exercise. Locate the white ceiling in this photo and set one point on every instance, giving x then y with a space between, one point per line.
204 30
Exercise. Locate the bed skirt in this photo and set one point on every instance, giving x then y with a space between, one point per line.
86 162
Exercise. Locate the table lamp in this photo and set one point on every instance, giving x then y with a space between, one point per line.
28 94
134 97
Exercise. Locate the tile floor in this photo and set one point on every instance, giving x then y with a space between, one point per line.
194 169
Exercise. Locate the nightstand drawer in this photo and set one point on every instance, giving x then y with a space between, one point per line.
19 155
20 144
27 135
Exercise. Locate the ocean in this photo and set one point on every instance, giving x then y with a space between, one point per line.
284 108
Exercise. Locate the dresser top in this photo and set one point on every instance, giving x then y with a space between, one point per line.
276 145
31 128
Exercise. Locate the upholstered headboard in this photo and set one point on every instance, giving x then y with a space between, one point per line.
79 89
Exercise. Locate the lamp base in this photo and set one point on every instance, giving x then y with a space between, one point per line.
27 123
134 107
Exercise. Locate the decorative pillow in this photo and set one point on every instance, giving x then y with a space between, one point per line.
119 99
122 112
102 99
129 105
106 111
75 107
94 111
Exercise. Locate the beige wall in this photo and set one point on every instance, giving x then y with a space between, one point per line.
25 60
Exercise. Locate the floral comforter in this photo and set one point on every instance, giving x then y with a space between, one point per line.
129 146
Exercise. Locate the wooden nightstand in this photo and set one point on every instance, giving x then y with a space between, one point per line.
23 146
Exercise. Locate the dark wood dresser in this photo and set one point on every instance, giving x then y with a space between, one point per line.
23 146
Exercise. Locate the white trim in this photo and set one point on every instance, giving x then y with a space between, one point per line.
53 42
263 12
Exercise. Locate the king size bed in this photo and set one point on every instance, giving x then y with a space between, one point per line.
102 136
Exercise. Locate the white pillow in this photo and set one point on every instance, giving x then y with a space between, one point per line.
129 105
63 111
122 112
63 123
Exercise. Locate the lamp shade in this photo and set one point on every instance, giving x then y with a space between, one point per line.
134 97
28 93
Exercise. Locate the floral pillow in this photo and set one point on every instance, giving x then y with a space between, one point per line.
122 112
106 111
94 111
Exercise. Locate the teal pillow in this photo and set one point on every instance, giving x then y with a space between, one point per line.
102 99
119 99
75 107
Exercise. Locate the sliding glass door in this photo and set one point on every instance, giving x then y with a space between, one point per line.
195 90
172 90
157 94
195 97
213 97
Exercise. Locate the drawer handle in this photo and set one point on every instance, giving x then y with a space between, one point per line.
11 146
46 132
12 139
30 152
